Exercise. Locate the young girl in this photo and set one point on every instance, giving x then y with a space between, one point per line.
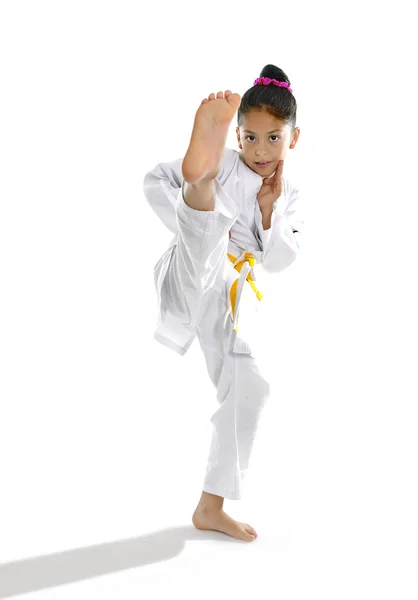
229 211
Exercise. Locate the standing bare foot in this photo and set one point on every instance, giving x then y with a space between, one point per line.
209 514
210 130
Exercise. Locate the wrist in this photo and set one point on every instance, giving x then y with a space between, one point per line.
266 215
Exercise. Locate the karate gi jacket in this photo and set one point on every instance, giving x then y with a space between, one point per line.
275 248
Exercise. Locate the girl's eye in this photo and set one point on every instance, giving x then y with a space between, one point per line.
275 136
249 136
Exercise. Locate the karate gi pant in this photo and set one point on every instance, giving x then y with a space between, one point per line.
195 289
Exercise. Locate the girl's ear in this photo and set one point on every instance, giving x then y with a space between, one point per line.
238 137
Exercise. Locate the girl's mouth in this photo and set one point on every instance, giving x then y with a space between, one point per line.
263 164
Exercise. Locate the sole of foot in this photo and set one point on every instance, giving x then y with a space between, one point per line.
207 144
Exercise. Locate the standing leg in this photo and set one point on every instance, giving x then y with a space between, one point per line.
241 393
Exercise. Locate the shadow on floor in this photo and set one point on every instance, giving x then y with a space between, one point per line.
33 574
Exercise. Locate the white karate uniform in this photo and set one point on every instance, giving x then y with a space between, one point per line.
201 294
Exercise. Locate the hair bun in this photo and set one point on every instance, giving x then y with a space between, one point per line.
274 72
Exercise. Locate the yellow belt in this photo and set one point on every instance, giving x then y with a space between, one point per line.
238 264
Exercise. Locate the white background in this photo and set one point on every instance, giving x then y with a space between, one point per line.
104 433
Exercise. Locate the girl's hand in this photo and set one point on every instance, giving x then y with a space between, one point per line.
271 189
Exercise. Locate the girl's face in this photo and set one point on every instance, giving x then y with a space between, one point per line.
264 138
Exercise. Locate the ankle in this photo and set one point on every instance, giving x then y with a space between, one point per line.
200 196
210 502
202 184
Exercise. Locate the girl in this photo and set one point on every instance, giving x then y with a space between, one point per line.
229 210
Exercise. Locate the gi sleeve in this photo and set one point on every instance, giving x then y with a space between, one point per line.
280 243
161 189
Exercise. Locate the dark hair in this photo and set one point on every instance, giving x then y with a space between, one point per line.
277 101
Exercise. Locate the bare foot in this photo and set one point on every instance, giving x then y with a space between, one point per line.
210 130
218 520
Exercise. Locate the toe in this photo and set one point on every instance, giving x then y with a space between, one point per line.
211 97
250 529
220 95
234 100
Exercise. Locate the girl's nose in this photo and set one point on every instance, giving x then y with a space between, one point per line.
260 151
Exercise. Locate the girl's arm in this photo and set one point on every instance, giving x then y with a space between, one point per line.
281 242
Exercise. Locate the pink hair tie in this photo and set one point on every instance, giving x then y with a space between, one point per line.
267 81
